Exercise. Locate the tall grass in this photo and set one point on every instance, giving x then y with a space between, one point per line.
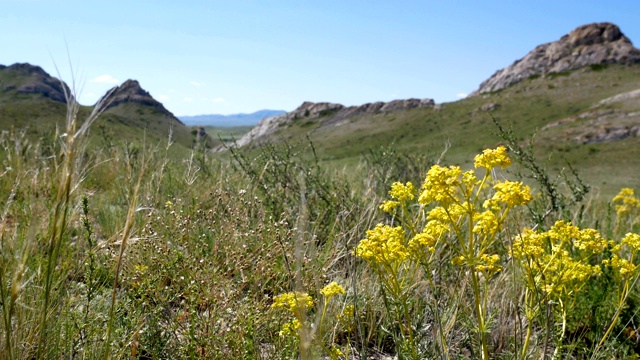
124 250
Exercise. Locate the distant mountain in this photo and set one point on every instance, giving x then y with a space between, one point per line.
229 120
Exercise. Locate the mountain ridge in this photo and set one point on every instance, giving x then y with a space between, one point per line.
332 114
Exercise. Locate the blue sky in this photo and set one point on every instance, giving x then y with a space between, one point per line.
224 57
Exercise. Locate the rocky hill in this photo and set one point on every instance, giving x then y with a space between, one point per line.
130 92
592 44
31 98
24 78
329 113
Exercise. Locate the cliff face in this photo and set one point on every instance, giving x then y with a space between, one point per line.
331 112
592 44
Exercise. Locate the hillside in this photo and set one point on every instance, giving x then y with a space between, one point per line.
588 116
130 107
32 99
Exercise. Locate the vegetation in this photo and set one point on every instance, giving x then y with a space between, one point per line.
127 248
549 109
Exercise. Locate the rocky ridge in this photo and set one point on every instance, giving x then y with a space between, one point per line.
25 78
332 113
592 44
131 92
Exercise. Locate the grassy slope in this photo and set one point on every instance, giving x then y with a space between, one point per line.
527 106
123 124
134 121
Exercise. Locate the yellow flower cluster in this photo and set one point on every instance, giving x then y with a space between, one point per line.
559 259
488 263
486 223
335 352
632 241
509 193
401 193
623 254
297 303
290 328
383 245
626 202
491 158
455 195
440 185
331 290
292 301
484 263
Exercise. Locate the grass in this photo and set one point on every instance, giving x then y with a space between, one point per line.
162 258
527 107
226 135
114 247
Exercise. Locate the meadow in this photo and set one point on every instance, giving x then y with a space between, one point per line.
134 250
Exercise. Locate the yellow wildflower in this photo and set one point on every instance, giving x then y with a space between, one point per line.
624 267
334 352
486 223
141 268
440 185
389 205
590 240
438 213
290 328
491 158
627 200
292 301
402 192
332 289
632 240
469 180
384 244
459 260
347 316
564 230
529 244
556 270
487 263
511 193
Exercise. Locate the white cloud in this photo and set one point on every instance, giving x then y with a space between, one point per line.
195 83
188 99
106 79
163 97
218 100
461 95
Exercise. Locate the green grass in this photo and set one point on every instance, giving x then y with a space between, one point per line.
183 257
526 107
120 245
226 134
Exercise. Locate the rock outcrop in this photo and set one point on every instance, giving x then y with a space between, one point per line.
330 112
592 44
131 92
30 79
